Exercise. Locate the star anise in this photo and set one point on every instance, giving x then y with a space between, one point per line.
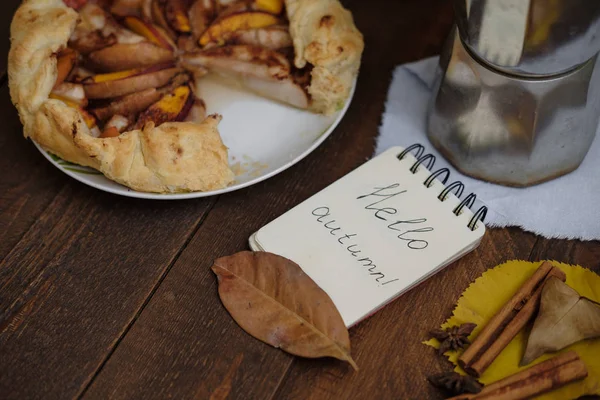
455 383
454 338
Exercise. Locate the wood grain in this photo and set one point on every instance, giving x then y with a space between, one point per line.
184 344
586 254
7 9
109 297
74 283
28 183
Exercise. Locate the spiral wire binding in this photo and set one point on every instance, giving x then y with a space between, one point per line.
437 173
456 186
430 158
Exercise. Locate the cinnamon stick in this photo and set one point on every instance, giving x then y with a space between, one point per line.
504 326
543 367
541 378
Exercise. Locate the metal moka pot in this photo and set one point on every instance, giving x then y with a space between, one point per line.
517 96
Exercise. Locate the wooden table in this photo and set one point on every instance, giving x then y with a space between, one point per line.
104 296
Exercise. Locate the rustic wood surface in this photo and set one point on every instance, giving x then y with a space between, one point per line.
7 9
109 297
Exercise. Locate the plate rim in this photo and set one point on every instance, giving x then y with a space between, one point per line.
128 192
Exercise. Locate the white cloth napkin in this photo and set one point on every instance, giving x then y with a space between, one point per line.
566 208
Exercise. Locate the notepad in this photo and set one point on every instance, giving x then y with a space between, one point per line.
377 232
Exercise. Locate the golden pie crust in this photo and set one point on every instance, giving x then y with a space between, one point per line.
173 157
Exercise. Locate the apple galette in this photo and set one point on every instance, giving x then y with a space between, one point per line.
111 84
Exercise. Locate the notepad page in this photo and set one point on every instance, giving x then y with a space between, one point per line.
372 235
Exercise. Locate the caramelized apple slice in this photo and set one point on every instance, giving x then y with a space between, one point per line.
176 15
126 7
65 62
234 7
126 82
86 43
127 105
174 106
272 37
158 16
201 14
70 91
129 56
179 80
147 10
150 31
230 23
241 60
271 6
114 76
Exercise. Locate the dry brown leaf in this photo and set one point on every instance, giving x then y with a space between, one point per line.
272 299
564 318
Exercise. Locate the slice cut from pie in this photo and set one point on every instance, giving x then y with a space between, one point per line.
111 84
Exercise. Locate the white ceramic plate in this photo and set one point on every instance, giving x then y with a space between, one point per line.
264 138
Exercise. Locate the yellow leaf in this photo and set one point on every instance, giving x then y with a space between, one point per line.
484 297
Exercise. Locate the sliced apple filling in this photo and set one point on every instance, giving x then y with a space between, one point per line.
122 73
117 85
132 62
248 42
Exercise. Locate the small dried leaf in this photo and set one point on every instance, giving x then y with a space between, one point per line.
564 318
272 299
